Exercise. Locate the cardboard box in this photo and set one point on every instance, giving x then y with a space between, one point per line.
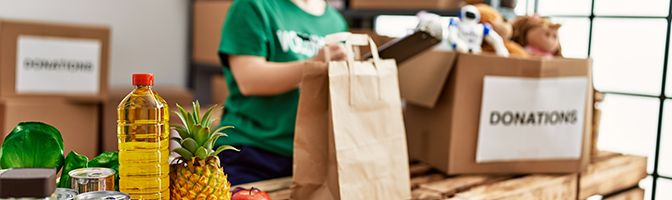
47 60
172 95
444 90
78 122
405 4
208 19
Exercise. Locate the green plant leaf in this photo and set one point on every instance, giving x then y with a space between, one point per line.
200 135
184 153
190 144
32 145
220 129
109 160
184 133
201 153
72 162
211 141
176 139
197 111
224 148
207 117
185 117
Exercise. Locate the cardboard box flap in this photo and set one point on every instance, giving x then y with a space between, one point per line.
422 78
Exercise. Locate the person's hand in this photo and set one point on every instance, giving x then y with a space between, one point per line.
336 53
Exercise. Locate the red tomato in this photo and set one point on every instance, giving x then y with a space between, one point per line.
249 194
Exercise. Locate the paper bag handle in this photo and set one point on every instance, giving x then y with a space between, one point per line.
351 40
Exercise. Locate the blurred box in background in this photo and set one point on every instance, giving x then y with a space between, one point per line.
57 74
46 59
208 20
405 4
172 95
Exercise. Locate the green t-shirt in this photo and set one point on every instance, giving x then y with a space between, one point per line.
280 31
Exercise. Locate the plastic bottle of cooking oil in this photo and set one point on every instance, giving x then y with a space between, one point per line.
143 132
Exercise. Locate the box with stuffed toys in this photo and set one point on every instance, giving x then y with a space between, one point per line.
497 97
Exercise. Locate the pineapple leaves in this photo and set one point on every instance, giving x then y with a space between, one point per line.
184 133
186 118
211 142
200 134
206 121
201 153
223 148
176 139
196 112
216 134
184 153
190 144
197 139
220 129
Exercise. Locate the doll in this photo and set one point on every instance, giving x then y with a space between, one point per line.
538 35
490 16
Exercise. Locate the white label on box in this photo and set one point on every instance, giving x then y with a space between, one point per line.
531 118
52 65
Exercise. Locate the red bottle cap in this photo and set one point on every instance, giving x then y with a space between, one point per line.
143 79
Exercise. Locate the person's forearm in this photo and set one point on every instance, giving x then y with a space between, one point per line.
263 78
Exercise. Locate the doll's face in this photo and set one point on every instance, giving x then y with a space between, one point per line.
543 38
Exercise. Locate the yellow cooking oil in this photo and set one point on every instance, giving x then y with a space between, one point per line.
143 133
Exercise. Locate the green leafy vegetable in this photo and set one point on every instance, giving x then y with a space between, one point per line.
72 162
76 161
108 160
32 145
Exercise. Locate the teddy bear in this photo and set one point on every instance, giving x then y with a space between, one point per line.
538 35
490 16
506 8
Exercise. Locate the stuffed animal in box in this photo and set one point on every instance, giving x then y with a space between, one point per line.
490 16
466 34
506 8
538 35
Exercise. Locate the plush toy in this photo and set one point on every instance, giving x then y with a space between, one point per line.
490 16
467 33
506 8
538 35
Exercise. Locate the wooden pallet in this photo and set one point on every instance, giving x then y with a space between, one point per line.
598 179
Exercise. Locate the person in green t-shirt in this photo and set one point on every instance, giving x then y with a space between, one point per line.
264 47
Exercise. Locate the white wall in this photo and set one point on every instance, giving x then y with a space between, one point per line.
147 35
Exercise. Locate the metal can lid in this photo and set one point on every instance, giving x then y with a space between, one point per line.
65 194
92 173
103 195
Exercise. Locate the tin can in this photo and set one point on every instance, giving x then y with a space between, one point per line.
103 195
65 194
92 179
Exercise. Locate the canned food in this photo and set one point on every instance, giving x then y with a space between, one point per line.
65 194
103 195
92 179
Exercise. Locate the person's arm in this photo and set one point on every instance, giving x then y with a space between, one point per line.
257 77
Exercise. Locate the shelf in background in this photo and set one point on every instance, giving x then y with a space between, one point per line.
365 14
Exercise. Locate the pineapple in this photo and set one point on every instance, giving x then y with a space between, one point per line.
197 174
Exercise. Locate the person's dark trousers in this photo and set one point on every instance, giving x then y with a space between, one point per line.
253 164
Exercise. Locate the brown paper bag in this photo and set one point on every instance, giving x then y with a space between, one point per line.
350 139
